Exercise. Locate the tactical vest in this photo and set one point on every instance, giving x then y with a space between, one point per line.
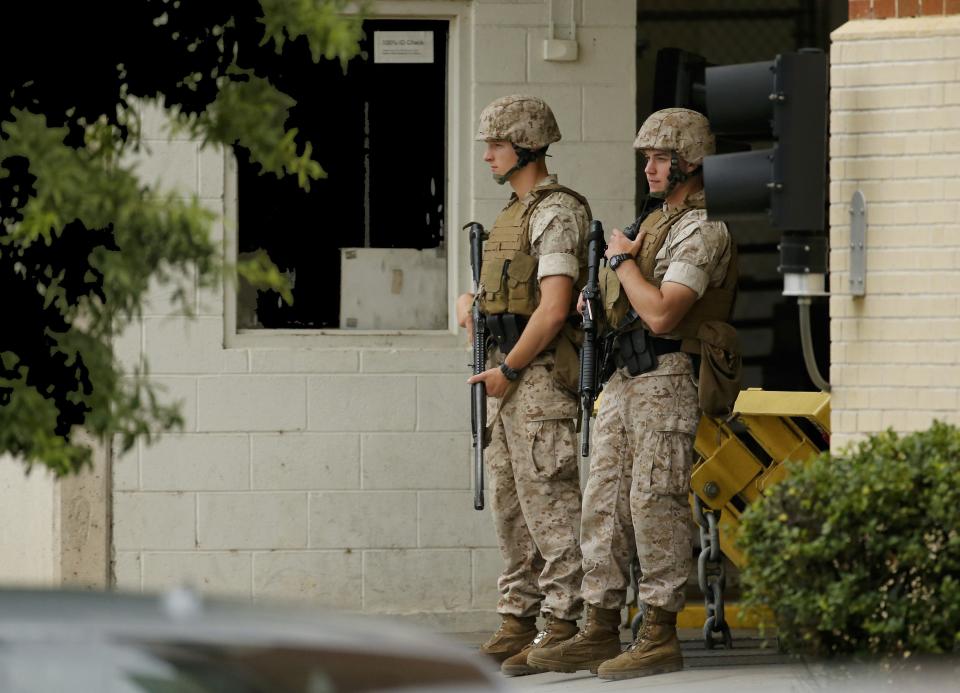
716 304
508 275
508 279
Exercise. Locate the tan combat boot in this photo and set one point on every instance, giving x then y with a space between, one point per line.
556 631
655 651
597 641
514 633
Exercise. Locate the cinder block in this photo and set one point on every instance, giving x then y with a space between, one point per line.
252 403
503 14
614 214
181 391
598 170
447 519
324 578
361 403
443 403
415 360
252 520
289 360
226 574
128 346
211 160
418 580
609 115
500 55
363 520
487 566
167 166
606 56
155 122
154 520
616 13
126 467
197 462
306 461
416 461
190 345
175 296
126 571
210 298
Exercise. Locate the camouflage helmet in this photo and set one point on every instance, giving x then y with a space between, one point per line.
680 130
525 121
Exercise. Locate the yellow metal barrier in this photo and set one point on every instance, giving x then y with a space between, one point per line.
731 475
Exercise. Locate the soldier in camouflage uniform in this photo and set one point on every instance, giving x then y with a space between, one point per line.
533 266
659 289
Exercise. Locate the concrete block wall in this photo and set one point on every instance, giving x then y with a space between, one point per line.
895 135
341 474
593 98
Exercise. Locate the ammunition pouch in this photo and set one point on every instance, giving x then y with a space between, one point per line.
637 351
504 329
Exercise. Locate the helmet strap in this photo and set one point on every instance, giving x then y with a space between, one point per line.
524 157
676 175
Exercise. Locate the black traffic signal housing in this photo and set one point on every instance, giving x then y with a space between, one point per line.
783 100
780 105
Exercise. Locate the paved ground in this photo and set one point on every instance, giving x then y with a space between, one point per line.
752 666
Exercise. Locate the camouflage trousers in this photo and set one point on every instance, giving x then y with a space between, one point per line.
636 498
533 471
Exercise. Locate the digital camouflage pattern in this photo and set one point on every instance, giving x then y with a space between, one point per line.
525 121
637 488
695 253
532 467
677 129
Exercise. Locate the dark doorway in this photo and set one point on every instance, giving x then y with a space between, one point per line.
379 130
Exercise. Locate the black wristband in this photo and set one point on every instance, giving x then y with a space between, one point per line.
618 260
508 372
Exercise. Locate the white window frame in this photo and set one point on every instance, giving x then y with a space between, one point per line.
456 205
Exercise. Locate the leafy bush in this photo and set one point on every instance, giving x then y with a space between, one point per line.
860 553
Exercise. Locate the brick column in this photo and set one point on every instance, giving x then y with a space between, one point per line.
895 135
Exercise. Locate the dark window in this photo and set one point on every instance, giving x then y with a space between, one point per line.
380 134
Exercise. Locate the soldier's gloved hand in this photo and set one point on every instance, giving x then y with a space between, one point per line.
494 380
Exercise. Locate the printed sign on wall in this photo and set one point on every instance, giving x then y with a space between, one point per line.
403 46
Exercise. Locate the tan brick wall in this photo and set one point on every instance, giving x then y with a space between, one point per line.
895 135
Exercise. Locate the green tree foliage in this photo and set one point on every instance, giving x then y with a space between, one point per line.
82 237
860 553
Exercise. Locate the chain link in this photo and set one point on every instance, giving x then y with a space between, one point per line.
712 575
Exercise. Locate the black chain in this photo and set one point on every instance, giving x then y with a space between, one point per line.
712 575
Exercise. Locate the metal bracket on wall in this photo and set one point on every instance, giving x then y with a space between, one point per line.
858 244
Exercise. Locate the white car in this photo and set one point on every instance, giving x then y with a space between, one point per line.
52 641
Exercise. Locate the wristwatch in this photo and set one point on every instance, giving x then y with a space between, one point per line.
618 260
509 373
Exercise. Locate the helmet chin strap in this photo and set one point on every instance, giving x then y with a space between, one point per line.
524 157
674 178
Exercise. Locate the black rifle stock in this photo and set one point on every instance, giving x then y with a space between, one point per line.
478 391
588 352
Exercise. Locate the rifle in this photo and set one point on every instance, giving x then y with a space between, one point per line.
478 391
588 352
